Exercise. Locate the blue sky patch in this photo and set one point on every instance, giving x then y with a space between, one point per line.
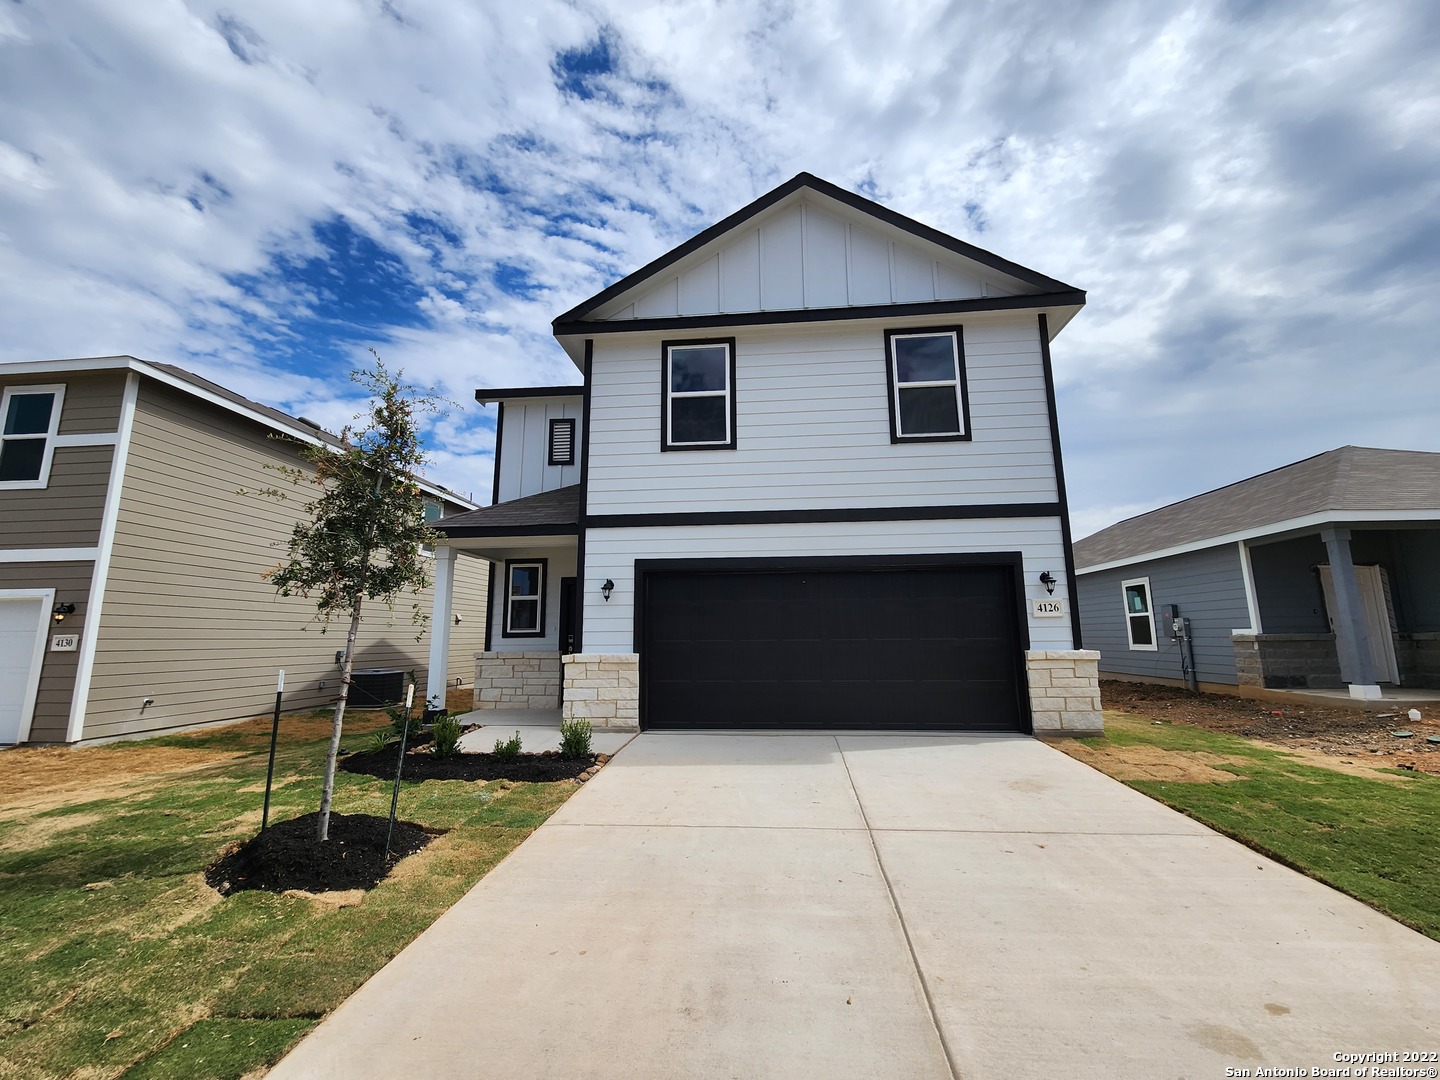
577 71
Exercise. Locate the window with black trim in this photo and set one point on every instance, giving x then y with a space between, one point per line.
699 395
29 416
525 598
562 442
926 374
1139 619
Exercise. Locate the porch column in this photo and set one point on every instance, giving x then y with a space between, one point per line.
439 674
1352 639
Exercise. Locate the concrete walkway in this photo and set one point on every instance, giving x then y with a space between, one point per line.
880 906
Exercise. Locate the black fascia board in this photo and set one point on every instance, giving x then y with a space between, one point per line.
823 187
1072 298
485 397
472 532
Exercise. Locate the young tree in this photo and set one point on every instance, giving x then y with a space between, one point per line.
365 527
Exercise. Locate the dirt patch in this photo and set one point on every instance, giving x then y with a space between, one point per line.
1153 763
38 832
524 768
1315 731
287 857
43 777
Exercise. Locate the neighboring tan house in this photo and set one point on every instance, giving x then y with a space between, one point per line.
1321 574
810 479
131 595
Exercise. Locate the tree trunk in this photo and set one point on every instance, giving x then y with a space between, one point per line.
322 832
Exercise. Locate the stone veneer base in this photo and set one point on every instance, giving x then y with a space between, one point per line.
517 680
603 688
1064 692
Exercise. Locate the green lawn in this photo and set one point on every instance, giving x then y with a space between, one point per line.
1372 838
116 959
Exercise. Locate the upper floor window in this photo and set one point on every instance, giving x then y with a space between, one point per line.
433 511
29 416
699 395
562 442
1139 619
926 373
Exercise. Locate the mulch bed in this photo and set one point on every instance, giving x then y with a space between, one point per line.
287 855
422 765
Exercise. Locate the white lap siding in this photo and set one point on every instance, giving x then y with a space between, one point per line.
813 426
611 553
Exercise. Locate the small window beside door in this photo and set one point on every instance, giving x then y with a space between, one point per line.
1139 619
525 598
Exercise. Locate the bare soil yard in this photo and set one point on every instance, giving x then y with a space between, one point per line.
1327 735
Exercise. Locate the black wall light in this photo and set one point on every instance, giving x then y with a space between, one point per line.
1048 580
59 611
607 588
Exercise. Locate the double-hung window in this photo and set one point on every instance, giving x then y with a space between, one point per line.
525 598
433 511
926 373
29 416
699 395
1139 619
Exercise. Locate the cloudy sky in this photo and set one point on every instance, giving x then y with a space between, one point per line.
1249 191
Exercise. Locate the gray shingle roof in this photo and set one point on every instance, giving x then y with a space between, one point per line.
550 512
1352 478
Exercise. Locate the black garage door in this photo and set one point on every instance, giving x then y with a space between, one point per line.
932 648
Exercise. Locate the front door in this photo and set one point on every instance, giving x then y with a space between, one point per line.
567 616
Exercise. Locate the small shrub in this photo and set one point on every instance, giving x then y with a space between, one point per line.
398 720
377 741
508 749
575 738
445 736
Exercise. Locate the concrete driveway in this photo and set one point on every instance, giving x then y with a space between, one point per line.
881 906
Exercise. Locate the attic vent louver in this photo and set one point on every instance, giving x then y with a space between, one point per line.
562 442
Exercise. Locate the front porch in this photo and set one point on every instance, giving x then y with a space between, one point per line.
1344 612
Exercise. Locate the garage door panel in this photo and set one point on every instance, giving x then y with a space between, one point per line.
934 648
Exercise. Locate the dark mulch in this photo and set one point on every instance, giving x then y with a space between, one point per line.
287 855
526 768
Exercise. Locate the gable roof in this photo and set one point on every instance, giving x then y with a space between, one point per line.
296 427
1354 483
931 271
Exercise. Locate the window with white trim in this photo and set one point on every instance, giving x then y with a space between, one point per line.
699 395
562 442
1139 618
926 374
29 417
433 511
525 598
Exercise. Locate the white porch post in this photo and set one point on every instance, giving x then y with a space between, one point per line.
438 674
1352 639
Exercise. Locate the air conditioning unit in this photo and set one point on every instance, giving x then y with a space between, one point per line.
374 688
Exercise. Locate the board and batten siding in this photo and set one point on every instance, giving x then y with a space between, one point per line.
559 563
611 553
525 447
71 582
188 619
813 427
1209 588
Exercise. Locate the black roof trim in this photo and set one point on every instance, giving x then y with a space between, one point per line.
485 397
1072 297
823 187
481 531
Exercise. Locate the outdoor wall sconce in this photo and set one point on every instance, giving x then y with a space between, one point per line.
1048 580
607 589
59 612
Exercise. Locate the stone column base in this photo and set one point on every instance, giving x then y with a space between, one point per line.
603 688
1064 691
517 680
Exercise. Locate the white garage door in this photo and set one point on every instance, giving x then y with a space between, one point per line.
22 636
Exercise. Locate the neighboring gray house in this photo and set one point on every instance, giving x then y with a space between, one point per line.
1321 574
810 478
131 597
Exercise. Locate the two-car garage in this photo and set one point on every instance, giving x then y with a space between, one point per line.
837 643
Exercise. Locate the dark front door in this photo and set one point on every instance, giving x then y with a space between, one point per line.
567 615
934 648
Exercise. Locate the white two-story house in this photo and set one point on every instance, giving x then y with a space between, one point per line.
809 478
